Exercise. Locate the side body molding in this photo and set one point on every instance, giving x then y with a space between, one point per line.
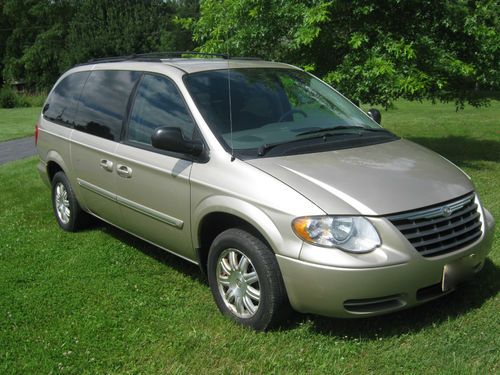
167 219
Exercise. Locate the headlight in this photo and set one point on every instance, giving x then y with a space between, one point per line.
349 233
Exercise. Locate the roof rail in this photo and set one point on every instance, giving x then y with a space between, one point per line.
158 56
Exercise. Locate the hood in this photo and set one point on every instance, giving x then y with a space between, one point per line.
372 180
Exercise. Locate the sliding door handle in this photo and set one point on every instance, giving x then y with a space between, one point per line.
124 171
106 164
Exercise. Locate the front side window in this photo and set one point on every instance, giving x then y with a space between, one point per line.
103 103
62 103
158 103
286 109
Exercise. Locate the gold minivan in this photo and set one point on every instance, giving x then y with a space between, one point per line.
277 186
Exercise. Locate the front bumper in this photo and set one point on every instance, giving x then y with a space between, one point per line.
356 292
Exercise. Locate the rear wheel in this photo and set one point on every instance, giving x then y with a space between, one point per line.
245 279
67 211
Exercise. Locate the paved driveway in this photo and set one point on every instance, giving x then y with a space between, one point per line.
17 149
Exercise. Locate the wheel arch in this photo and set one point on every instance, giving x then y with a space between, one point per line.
55 163
52 168
217 213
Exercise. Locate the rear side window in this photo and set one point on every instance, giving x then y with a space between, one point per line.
158 103
103 102
63 101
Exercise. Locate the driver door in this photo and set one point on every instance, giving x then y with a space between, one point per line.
153 186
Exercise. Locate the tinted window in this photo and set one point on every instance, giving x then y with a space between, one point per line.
63 101
158 103
103 102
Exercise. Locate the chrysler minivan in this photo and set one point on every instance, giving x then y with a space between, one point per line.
277 186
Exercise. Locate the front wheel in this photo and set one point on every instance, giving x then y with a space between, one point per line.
245 279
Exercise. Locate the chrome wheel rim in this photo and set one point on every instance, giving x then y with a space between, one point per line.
238 283
62 203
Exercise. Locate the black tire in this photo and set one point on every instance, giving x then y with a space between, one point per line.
272 306
76 218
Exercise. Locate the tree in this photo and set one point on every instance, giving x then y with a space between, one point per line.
115 27
5 31
174 36
44 38
373 51
33 45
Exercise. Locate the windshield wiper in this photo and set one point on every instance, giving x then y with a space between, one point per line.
264 148
342 127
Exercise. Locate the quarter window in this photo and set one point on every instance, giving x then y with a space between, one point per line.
103 103
63 101
158 103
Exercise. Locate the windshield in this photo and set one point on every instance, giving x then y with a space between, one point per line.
273 107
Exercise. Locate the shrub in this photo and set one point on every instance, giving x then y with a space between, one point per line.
33 100
8 98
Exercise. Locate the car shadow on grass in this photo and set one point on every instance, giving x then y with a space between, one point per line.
462 151
468 296
170 260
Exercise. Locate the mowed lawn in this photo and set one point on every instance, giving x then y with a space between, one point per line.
18 122
100 301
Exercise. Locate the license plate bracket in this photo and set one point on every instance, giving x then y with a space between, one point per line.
456 272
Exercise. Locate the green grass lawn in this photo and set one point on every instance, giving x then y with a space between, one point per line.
100 301
18 122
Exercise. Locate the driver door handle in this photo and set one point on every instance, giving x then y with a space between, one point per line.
124 171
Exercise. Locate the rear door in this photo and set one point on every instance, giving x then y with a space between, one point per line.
152 185
98 125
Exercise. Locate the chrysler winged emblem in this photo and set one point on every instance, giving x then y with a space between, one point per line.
446 211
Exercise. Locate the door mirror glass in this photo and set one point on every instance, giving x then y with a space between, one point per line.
375 115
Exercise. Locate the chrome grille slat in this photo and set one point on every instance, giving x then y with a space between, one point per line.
446 237
461 242
434 211
437 221
445 228
433 232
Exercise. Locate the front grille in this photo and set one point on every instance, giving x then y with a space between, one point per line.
441 229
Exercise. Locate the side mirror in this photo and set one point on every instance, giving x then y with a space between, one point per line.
171 139
375 115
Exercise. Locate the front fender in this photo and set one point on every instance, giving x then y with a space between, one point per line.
288 245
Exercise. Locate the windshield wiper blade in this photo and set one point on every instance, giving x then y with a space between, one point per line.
342 127
264 148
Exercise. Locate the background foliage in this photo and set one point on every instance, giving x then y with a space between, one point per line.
374 52
40 39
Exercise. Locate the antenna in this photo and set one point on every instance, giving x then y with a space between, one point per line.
230 107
